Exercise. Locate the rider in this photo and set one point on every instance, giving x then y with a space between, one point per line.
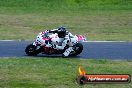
64 37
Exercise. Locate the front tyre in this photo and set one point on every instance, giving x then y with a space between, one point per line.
31 50
77 49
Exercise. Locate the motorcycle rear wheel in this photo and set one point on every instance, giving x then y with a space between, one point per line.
31 50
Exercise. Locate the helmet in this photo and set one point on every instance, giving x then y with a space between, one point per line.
61 32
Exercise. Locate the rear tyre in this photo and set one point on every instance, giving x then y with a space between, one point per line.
31 50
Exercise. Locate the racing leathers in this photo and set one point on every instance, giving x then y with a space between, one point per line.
63 42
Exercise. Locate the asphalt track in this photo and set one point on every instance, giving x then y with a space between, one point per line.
92 50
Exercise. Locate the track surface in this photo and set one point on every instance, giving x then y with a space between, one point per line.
92 50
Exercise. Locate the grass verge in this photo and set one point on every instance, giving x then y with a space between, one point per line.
57 72
96 19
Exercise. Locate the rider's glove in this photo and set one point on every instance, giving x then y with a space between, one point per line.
47 30
45 34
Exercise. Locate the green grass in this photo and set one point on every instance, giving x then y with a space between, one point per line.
96 19
57 72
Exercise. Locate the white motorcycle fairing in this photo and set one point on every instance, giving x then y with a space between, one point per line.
48 45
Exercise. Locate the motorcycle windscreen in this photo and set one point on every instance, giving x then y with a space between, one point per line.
81 38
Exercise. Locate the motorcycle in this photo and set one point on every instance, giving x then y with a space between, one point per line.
50 41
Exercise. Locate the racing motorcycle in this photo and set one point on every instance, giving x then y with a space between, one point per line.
48 48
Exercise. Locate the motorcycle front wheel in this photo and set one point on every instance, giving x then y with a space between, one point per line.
77 49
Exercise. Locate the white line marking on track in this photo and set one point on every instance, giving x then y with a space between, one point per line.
84 41
105 41
7 40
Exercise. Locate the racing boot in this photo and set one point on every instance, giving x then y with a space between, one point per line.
67 52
